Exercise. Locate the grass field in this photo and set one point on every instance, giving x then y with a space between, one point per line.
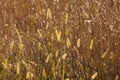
59 39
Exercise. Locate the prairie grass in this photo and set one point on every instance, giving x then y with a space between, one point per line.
59 39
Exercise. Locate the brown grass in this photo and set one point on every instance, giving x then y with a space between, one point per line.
60 39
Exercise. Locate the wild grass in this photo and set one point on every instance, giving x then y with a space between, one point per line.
59 39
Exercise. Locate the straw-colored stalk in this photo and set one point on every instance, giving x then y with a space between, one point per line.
11 46
66 24
66 18
53 71
58 62
91 44
33 63
117 77
105 53
18 68
44 74
66 30
58 35
39 46
49 14
64 56
85 15
20 44
39 33
111 55
29 75
56 53
76 49
47 25
94 76
48 57
63 69
78 42
52 37
6 64
68 42
67 79
26 65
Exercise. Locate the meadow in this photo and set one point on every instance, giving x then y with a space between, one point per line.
59 39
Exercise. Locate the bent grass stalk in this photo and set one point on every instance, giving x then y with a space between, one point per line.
105 53
20 44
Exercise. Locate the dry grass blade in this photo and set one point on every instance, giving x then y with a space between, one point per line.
48 57
91 44
52 37
94 76
86 15
39 33
76 49
29 75
66 30
78 42
64 56
117 77
32 63
88 21
26 65
58 35
5 64
44 74
56 54
47 25
20 44
68 42
53 71
19 36
18 68
105 53
49 14
11 46
67 79
111 55
39 46
66 18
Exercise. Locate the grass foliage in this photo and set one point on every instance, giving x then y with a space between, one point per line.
59 39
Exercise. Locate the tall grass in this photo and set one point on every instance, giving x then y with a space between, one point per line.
60 39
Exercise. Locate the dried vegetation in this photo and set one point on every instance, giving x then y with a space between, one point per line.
60 39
